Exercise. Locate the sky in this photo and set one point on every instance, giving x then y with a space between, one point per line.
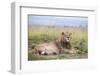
57 21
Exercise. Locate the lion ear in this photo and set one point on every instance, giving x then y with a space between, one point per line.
70 34
62 33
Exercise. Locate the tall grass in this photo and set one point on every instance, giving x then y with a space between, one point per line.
38 35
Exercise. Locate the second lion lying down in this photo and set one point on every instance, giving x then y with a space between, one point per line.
54 47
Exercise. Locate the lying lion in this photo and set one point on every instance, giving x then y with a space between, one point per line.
54 47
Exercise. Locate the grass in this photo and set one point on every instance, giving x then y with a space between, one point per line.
54 57
38 35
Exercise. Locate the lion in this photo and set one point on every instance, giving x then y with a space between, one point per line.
55 47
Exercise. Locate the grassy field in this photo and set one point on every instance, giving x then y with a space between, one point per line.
38 35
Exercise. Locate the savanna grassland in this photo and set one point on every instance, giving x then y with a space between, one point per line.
39 35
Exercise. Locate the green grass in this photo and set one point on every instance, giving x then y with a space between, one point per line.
54 57
38 35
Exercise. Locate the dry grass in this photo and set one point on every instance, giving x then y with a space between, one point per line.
37 35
